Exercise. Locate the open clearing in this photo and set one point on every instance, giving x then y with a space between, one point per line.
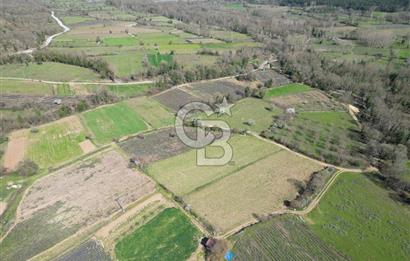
154 146
249 114
358 217
113 122
266 75
56 142
257 189
181 175
292 88
71 199
313 100
49 71
282 238
25 87
169 236
152 111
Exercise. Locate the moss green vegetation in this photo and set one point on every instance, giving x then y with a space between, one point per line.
126 63
250 114
182 175
156 58
152 112
34 235
169 236
63 90
54 144
282 238
25 87
71 20
287 89
112 122
129 90
358 217
234 6
49 71
328 136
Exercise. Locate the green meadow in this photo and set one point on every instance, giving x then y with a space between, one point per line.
287 89
359 218
113 122
168 236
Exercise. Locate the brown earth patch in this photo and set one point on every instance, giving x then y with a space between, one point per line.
16 149
87 146
3 207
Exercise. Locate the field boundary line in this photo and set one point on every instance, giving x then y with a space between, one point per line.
230 173
75 82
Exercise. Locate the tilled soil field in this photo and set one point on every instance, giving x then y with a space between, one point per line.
90 251
208 91
277 78
175 99
72 199
155 146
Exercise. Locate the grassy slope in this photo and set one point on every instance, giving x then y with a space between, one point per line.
129 90
113 122
287 89
360 219
169 236
152 112
49 71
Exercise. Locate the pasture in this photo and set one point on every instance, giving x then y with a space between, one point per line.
257 189
181 175
129 90
25 87
126 63
75 197
156 59
360 219
282 238
168 236
57 142
113 122
49 71
292 88
152 111
249 114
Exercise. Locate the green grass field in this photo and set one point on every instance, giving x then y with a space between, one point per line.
112 122
126 63
156 58
25 87
169 236
129 90
182 175
287 89
71 20
249 109
49 71
152 112
54 144
359 219
281 238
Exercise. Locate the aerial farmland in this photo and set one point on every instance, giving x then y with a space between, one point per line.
206 131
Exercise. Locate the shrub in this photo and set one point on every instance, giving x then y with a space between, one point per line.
27 168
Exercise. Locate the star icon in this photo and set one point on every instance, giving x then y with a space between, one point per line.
224 107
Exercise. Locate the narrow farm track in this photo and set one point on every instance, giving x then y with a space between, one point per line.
74 82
